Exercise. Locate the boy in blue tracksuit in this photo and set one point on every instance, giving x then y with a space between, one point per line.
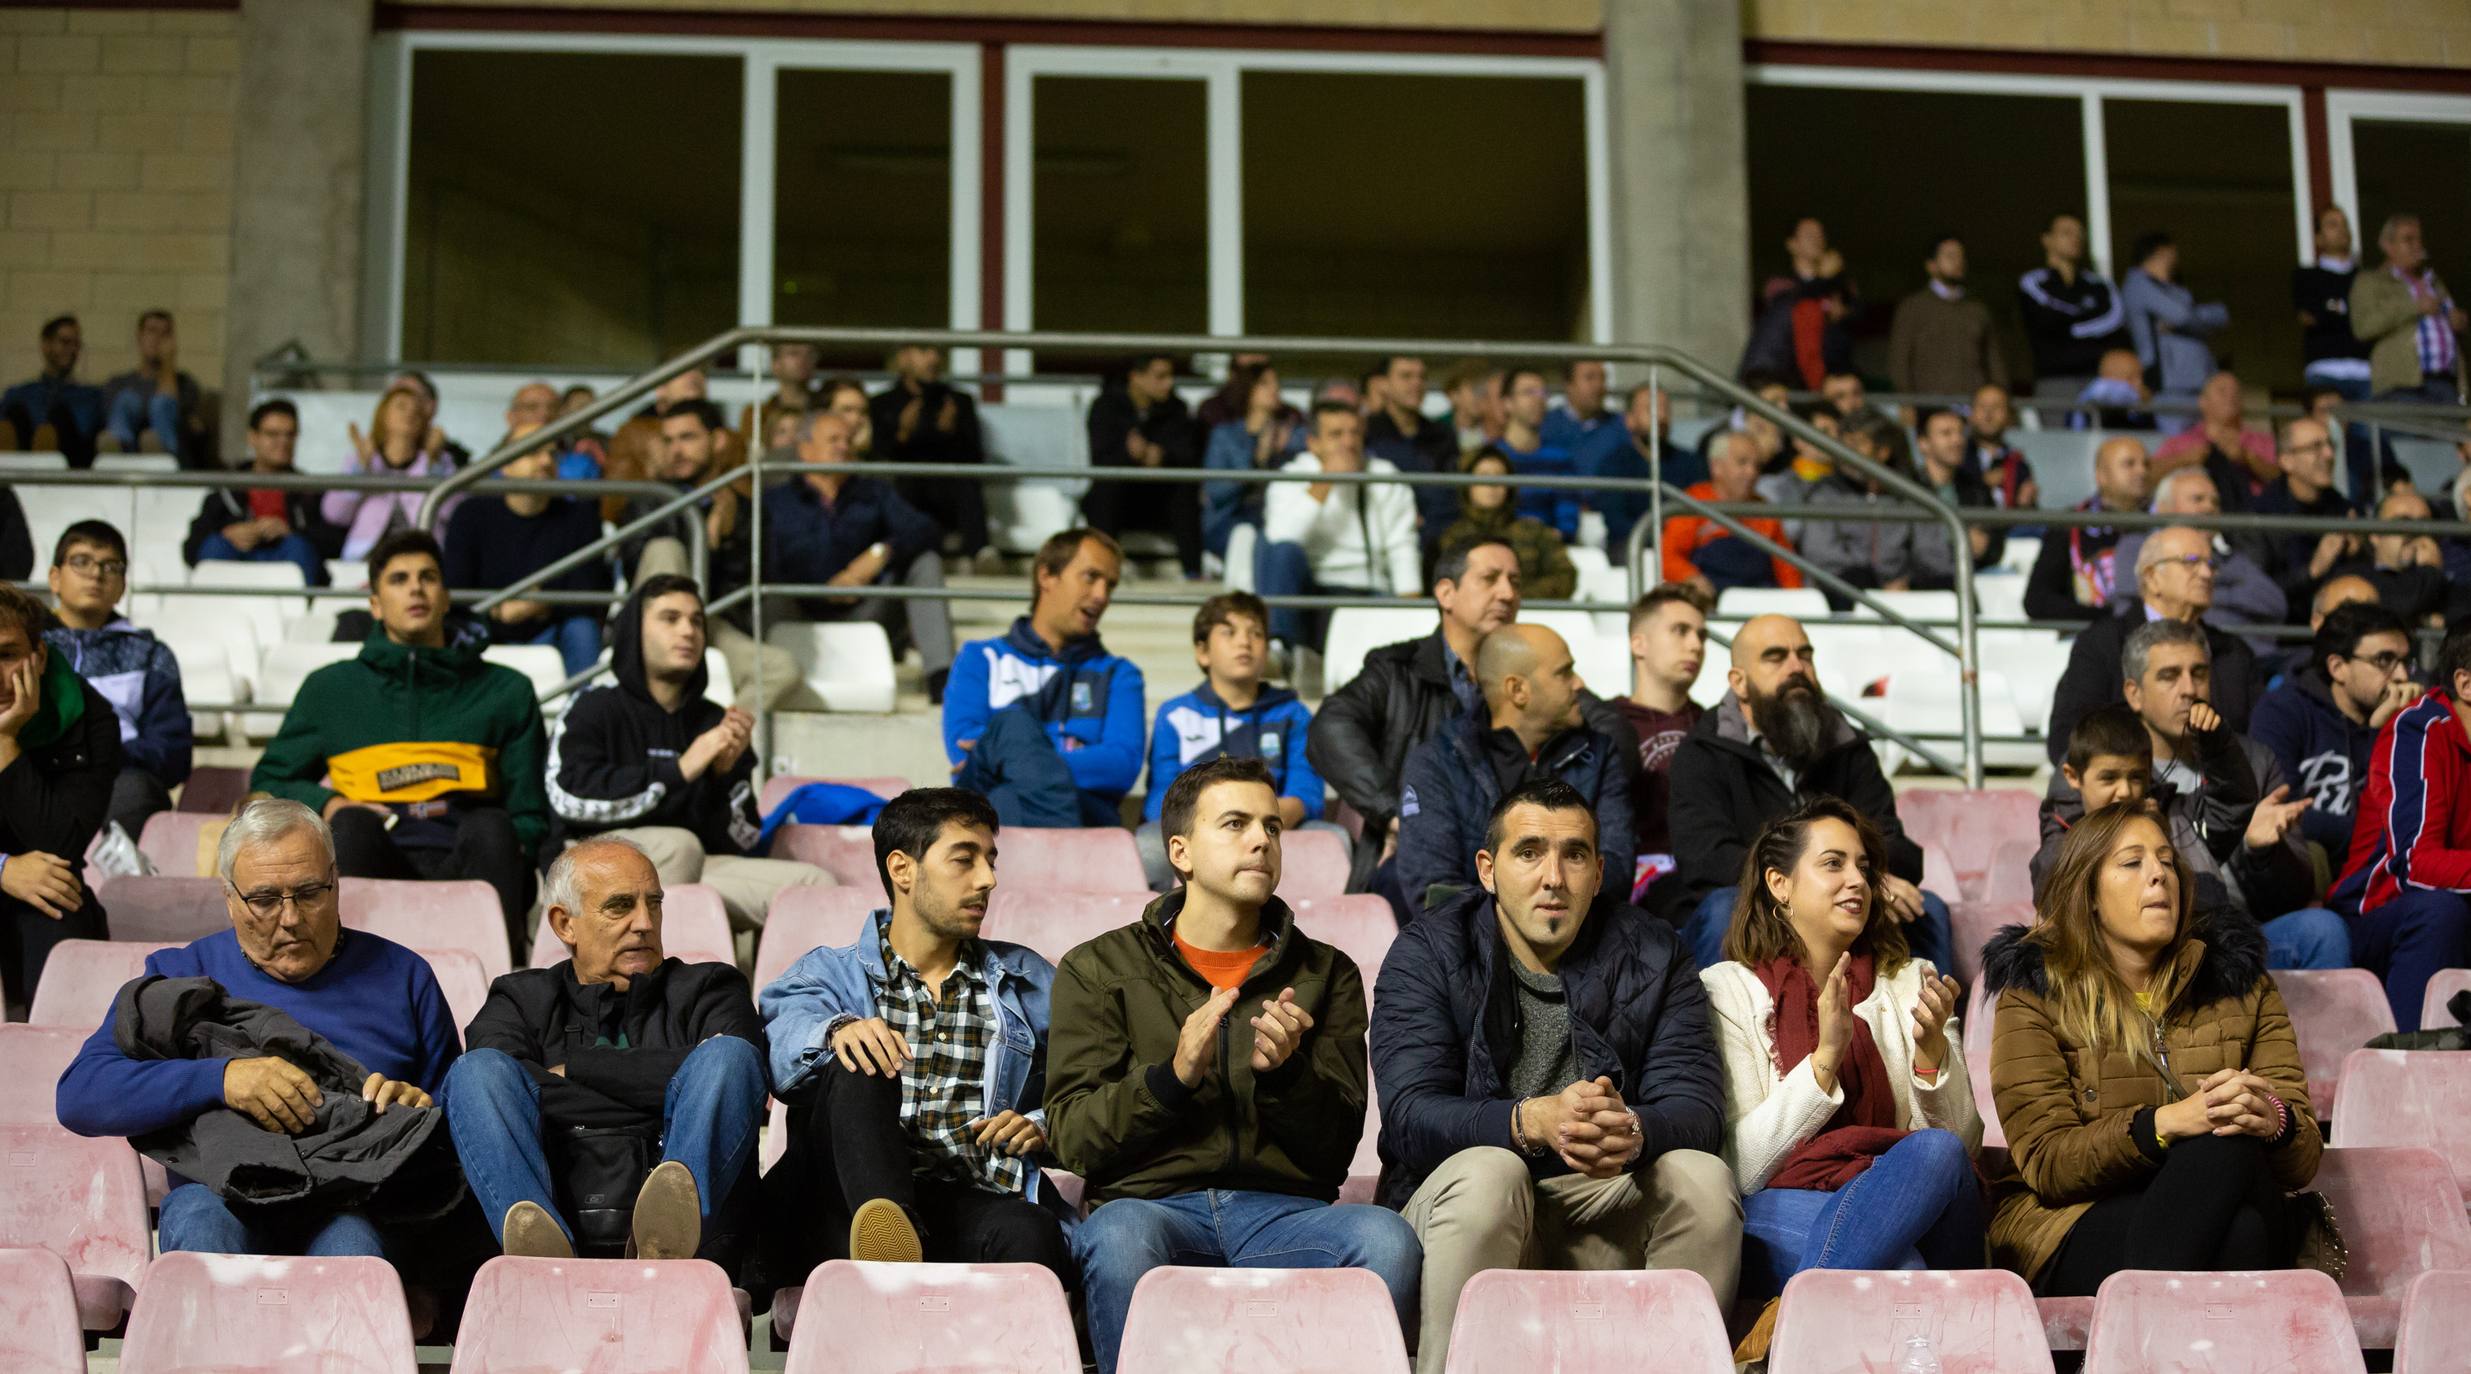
1231 715
127 665
1044 721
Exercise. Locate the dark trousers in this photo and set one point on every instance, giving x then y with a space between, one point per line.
1169 508
847 1147
2407 941
485 847
27 937
1015 766
137 794
959 507
2200 1212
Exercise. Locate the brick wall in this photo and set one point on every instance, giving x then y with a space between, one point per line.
116 178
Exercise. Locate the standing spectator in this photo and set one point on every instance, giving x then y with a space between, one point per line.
1668 645
60 761
1325 538
136 674
1522 438
1944 445
2321 722
55 410
1647 428
1400 431
1253 439
2239 457
2168 326
1804 327
1706 555
2074 576
2072 314
400 443
1140 422
921 418
2245 594
2175 581
2305 486
156 398
1545 570
1942 343
2334 357
1988 454
2409 321
495 541
266 524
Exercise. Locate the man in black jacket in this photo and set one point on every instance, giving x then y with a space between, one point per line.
59 756
1549 1088
2174 581
617 1055
1142 423
921 418
1770 743
266 525
652 761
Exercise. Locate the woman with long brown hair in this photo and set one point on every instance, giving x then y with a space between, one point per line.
2145 1071
400 442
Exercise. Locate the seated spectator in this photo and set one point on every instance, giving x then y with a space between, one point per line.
2075 575
1043 721
2408 570
2175 581
266 524
2117 397
16 541
913 1062
426 760
2321 722
1201 1143
795 390
1769 744
457 455
400 443
1767 442
156 404
2245 594
1867 554
1545 571
132 671
1231 715
618 1040
827 527
2334 593
1139 422
55 411
495 541
2410 864
2456 549
2120 1157
1334 539
1405 694
535 404
1989 456
641 447
1399 431
1583 426
1850 1123
2298 562
1668 645
1944 448
362 997
60 762
587 453
1706 555
650 760
1474 389
921 418
1646 431
1586 1137
1522 439
1843 389
2239 459
1533 725
1254 439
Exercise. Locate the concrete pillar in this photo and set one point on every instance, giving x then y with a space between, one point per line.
300 150
1680 190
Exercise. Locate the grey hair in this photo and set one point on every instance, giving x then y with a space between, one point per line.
558 889
2154 634
264 821
2393 225
2462 494
2162 493
2147 559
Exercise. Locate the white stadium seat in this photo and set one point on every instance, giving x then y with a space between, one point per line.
1358 630
541 663
847 663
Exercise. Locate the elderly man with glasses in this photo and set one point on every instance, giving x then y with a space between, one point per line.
368 999
2175 573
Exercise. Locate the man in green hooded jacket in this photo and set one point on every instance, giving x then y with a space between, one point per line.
59 753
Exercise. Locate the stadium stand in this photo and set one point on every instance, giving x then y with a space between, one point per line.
538 1314
928 1318
204 1312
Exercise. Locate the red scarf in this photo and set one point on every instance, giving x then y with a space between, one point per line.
1864 1128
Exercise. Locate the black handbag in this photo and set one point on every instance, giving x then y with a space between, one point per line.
600 1169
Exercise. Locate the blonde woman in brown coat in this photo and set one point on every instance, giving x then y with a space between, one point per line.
2145 1072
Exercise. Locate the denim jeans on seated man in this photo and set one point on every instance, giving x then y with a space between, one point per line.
194 1219
291 548
709 1118
1932 937
1128 1237
133 412
2310 938
1285 569
577 638
1015 766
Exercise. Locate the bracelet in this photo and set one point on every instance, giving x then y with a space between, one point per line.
1518 1125
2282 1118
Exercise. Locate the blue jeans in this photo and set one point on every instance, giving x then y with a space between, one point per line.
708 1120
1931 937
2311 937
134 411
577 637
1918 1203
1016 767
291 548
1286 570
2407 940
195 1219
1129 1237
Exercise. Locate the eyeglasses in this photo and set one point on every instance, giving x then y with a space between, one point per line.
267 904
2319 446
2383 663
89 566
2192 561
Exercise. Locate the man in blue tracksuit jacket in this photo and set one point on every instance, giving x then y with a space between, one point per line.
1044 721
134 672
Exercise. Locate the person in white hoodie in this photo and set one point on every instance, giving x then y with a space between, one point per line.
1335 538
1850 1126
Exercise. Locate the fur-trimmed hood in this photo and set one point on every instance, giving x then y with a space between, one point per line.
2229 950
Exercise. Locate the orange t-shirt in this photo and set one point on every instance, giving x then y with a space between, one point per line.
1221 969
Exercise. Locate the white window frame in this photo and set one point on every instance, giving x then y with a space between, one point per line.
2345 107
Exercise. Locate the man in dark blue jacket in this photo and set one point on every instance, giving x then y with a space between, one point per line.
135 673
825 526
1549 1087
2321 723
1530 725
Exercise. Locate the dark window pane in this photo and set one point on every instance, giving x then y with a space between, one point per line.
862 218
2421 169
1119 190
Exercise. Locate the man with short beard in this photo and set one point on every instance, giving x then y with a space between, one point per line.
1771 743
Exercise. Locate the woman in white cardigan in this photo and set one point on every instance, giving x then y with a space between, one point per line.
1849 1124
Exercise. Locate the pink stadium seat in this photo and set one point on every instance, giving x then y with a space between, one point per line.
609 1316
181 844
2065 1321
1261 1321
777 790
1053 921
2400 1214
2333 1012
172 910
1844 1321
81 978
1360 925
461 979
31 1060
2010 878
84 1201
2434 1015
1971 926
847 852
2406 1098
1939 875
1312 863
2145 1322
39 1330
931 1319
199 1313
694 929
2436 1324
1101 859
805 918
462 914
1970 827
1514 1321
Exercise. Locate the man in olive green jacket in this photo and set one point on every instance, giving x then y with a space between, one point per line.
1204 1133
2408 320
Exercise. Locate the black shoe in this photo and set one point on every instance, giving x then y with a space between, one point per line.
935 685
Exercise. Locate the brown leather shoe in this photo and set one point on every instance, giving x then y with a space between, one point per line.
531 1232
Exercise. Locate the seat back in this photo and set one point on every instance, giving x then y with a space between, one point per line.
2146 1321
1359 925
39 1330
777 789
806 918
1312 863
458 914
694 930
847 852
848 663
1052 923
461 981
2434 1013
1356 631
1099 859
81 978
199 1313
2436 1324
1848 1321
1261 1321
609 1316
2400 1208
83 1200
1972 826
2333 1012
32 1059
540 664
1513 1321
1802 603
181 843
1971 926
174 910
933 1319
2395 1097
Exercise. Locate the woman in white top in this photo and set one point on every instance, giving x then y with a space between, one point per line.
1849 1124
